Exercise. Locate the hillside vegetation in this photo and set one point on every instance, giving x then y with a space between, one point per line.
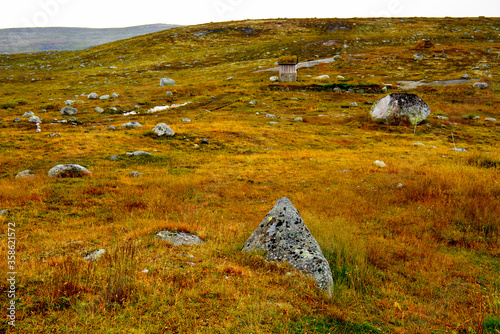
413 247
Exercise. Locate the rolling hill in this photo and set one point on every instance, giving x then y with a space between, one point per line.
20 40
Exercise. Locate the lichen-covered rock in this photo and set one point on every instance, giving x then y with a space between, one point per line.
179 238
95 255
137 153
69 170
70 111
163 129
28 114
93 96
284 237
167 82
25 174
399 108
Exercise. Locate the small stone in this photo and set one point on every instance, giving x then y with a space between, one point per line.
93 96
273 123
131 125
353 104
111 128
28 114
17 119
230 78
95 255
99 110
481 85
138 153
340 77
458 149
34 119
135 174
273 78
490 119
298 119
323 77
418 144
70 111
270 115
179 238
169 93
444 118
25 174
205 141
253 103
186 120
418 57
115 95
104 97
166 82
465 76
400 185
163 129
69 102
380 164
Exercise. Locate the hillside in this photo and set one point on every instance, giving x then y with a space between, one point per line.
413 247
19 40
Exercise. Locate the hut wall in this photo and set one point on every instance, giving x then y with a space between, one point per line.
288 73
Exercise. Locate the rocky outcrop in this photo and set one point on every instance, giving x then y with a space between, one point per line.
284 237
400 108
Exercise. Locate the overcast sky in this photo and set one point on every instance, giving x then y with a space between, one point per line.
105 14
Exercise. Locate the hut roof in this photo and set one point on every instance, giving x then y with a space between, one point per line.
288 60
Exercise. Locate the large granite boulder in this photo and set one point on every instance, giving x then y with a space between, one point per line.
400 108
284 237
69 170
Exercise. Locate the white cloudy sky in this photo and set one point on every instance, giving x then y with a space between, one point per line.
103 14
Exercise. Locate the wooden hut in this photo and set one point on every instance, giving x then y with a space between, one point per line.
288 68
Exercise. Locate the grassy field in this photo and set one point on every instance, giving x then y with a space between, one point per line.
413 247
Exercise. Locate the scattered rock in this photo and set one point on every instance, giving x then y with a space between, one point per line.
4 212
28 114
115 109
54 135
131 125
352 105
93 96
339 77
17 119
284 237
99 110
481 85
444 118
273 123
169 93
115 95
337 90
72 119
179 238
114 158
298 119
167 82
458 149
204 141
490 119
186 120
69 102
135 174
230 78
95 255
25 174
418 144
274 78
270 115
70 111
111 128
163 129
418 57
137 153
466 76
323 77
104 97
34 119
253 103
69 170
400 185
400 107
380 164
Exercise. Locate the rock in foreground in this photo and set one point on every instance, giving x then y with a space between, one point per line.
285 237
69 170
163 129
399 108
179 238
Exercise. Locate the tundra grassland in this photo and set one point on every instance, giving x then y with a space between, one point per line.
413 247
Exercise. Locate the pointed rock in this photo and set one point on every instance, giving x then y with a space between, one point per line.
285 237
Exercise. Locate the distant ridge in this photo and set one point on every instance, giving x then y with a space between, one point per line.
20 40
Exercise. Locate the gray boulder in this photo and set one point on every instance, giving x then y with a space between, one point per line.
399 108
69 102
99 110
104 97
284 237
70 111
69 170
28 114
34 119
167 82
131 125
135 174
93 96
163 129
115 95
25 174
17 119
95 255
179 238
